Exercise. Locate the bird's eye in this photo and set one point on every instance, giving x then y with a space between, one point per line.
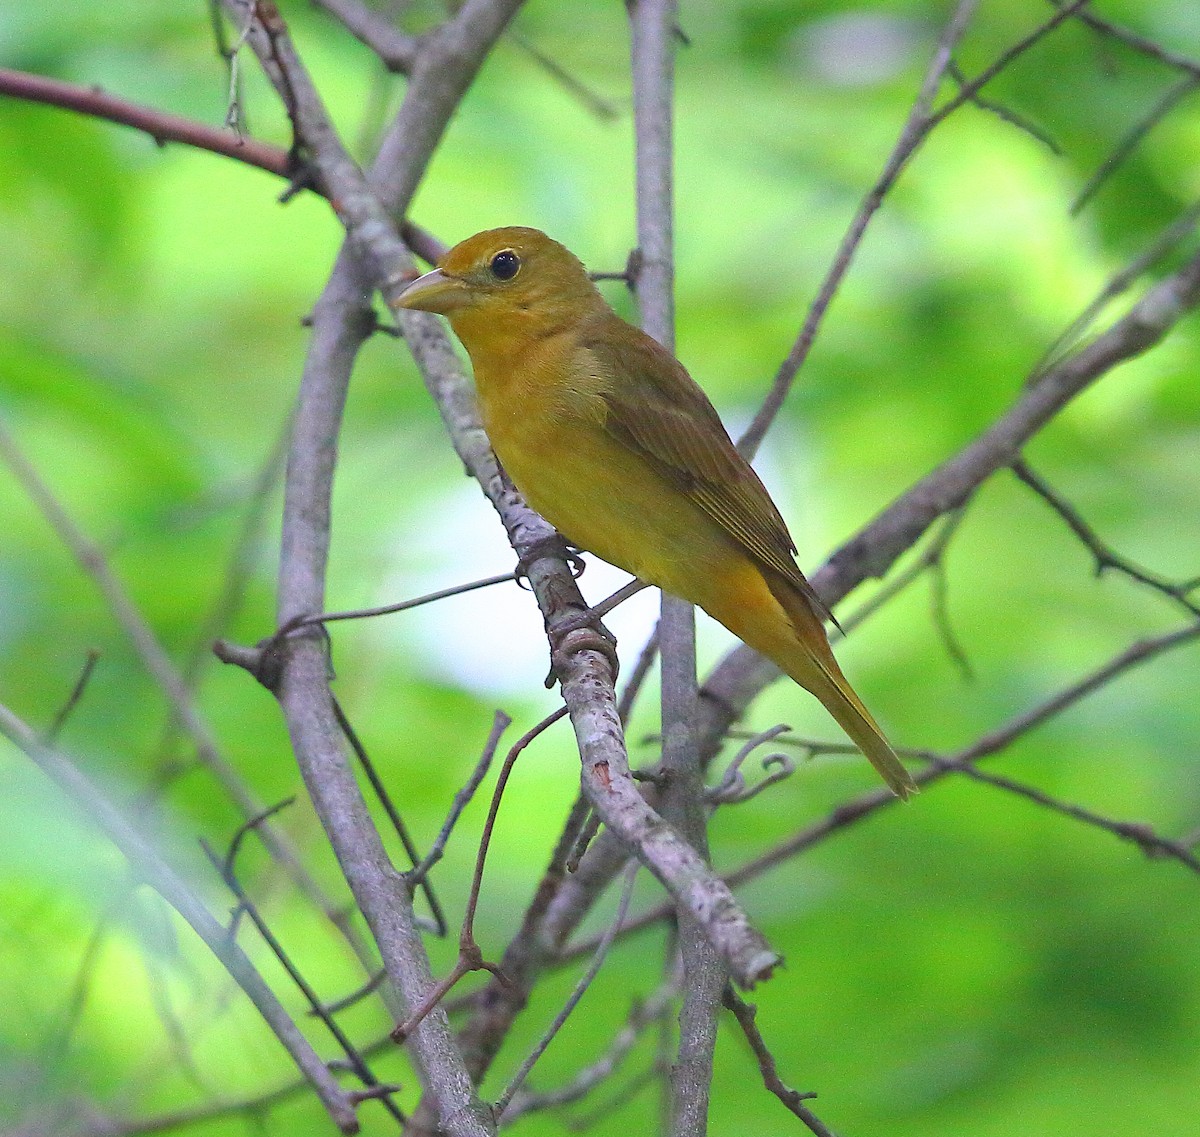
505 265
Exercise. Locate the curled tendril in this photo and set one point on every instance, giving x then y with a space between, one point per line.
732 788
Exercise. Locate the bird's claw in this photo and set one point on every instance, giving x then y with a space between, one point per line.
555 546
583 631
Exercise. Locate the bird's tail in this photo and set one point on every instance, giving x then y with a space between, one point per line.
813 666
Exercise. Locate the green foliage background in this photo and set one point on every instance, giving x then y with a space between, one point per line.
969 965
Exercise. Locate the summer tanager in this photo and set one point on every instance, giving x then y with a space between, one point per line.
611 440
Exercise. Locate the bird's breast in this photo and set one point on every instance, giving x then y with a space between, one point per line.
602 496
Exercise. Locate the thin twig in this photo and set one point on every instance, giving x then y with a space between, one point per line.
732 786
1163 244
393 813
922 120
939 610
622 1098
994 742
1132 140
645 1013
1140 834
244 556
50 736
299 622
1139 43
585 981
1104 555
1006 114
500 723
745 1014
170 682
991 743
156 872
470 958
597 105
227 867
397 50
164 127
362 991
914 131
587 834
526 955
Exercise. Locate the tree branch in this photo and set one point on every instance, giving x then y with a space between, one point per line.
164 127
395 48
341 320
994 742
921 122
156 872
742 674
171 683
653 26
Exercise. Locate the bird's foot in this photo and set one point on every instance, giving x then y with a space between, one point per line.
580 631
557 547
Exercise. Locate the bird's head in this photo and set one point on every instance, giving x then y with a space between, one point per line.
502 271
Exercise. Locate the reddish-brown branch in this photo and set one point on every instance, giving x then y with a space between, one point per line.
160 125
470 958
165 127
745 1014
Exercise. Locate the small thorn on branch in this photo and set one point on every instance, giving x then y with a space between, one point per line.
85 675
372 1093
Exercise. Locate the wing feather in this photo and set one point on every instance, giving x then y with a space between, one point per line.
667 419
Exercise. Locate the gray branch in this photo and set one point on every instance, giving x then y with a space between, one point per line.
342 319
396 49
156 872
742 674
652 32
171 682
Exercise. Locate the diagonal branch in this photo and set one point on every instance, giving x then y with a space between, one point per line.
165 127
171 682
342 319
395 48
644 1014
963 762
156 872
1104 556
921 122
793 1100
916 128
742 674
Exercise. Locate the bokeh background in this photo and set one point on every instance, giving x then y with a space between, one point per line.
968 965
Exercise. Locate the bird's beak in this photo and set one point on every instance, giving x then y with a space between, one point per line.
433 292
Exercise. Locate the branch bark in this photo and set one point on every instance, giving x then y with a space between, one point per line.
653 27
342 319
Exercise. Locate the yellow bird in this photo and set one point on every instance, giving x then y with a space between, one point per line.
614 444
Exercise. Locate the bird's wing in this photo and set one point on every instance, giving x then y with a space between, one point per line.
660 413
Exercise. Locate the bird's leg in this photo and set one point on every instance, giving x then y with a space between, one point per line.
590 618
579 631
557 547
583 627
